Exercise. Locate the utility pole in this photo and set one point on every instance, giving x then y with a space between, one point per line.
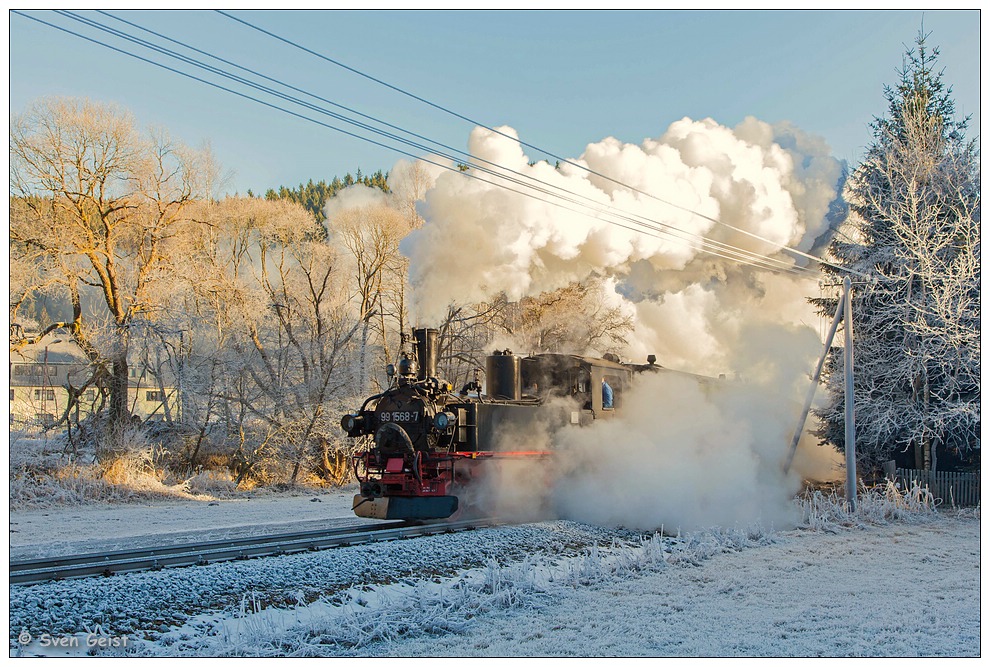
850 398
810 396
842 311
178 403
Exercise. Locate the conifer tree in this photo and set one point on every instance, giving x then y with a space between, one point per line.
314 196
913 232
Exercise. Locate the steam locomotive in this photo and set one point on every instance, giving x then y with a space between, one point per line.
426 444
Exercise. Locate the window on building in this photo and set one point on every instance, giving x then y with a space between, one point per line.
89 395
11 394
33 370
153 396
44 394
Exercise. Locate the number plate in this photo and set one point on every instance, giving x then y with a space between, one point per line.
400 417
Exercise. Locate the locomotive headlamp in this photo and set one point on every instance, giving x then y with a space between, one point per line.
443 420
352 424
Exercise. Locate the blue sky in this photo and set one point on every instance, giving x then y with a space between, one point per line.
562 79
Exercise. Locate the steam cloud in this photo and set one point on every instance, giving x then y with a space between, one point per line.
690 457
481 239
684 455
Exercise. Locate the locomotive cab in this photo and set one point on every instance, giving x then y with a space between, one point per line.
580 379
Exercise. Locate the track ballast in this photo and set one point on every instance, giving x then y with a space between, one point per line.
37 570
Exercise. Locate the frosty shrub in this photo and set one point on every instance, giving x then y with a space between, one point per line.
123 441
45 472
147 461
129 458
40 474
55 479
136 469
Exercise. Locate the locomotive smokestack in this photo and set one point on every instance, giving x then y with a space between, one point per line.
427 352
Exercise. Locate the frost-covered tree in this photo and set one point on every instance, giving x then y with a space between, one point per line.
368 238
267 334
575 319
94 207
914 232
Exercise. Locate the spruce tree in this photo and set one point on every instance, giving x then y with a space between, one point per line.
913 237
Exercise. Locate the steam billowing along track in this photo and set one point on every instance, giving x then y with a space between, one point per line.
117 562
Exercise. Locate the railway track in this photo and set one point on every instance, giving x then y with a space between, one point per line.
37 570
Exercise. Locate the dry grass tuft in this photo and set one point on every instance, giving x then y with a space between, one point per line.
213 483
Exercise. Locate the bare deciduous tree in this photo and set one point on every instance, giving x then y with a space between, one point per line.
273 346
370 238
574 319
94 205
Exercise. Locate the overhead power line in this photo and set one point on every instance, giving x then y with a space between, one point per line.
440 107
655 228
709 245
730 253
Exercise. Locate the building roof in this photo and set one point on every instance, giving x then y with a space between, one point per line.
53 348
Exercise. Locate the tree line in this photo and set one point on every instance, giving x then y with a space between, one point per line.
269 318
313 196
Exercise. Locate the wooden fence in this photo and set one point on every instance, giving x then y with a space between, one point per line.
954 489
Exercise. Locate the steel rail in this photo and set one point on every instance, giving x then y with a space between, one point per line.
109 563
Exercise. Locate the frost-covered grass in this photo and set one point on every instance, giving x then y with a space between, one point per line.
148 604
368 617
365 616
880 504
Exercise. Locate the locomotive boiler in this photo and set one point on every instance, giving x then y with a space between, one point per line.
426 444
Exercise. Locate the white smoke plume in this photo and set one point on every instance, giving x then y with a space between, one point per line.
686 453
354 197
682 455
518 488
687 457
481 239
683 452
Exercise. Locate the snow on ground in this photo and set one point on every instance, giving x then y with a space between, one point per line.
57 531
910 587
879 591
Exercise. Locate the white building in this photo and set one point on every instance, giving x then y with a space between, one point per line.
41 372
